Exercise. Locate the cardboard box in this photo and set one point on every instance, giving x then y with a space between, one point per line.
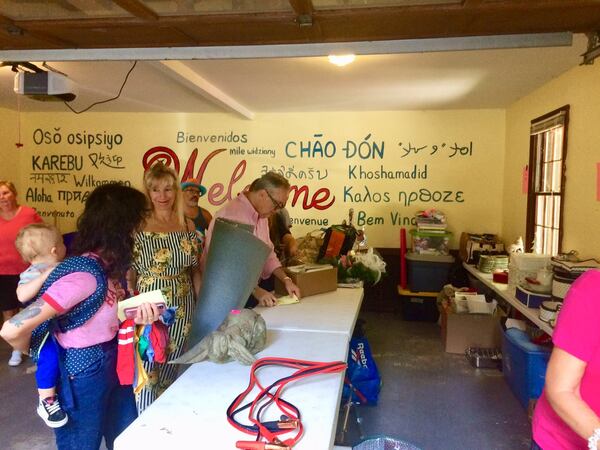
312 279
461 331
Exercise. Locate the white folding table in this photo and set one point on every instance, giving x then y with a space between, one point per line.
331 312
191 413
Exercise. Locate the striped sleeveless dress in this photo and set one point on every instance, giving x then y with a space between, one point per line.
163 261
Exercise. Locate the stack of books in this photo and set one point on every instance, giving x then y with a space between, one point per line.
431 221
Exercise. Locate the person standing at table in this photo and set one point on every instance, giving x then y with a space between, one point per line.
192 191
265 196
567 414
284 242
166 258
13 217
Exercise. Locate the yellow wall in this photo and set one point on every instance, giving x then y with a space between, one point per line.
8 149
479 158
464 168
580 88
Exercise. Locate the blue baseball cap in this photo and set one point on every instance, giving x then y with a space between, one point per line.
193 182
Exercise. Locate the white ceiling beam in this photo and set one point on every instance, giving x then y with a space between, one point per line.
184 75
296 50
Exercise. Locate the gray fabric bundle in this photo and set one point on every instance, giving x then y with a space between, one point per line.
233 266
240 337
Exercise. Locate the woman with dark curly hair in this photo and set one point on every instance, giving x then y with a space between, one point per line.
79 300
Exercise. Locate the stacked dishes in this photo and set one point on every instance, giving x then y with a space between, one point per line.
491 263
500 262
486 263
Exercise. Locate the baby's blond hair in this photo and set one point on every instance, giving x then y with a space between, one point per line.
37 239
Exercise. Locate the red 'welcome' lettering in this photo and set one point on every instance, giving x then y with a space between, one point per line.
217 193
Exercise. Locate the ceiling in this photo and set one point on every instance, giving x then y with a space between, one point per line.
260 56
34 24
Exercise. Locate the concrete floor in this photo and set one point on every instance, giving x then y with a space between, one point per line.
431 398
436 400
20 427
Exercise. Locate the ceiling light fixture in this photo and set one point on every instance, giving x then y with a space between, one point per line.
341 60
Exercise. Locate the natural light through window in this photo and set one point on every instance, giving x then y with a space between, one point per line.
547 181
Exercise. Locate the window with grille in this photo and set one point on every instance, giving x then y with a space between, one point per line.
545 200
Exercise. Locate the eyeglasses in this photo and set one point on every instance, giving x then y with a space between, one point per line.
276 204
192 191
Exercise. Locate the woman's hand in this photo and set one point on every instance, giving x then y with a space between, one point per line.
265 298
146 313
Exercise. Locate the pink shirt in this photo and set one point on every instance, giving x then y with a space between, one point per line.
578 333
11 262
241 210
72 289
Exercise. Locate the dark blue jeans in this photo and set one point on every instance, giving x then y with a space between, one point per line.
102 407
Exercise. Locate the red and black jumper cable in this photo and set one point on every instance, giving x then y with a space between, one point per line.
268 432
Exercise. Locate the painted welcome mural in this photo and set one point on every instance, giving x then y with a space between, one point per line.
384 181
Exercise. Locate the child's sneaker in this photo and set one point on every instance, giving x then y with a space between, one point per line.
49 409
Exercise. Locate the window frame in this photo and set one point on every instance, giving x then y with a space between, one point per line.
532 193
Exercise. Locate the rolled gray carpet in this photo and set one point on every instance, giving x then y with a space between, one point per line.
233 266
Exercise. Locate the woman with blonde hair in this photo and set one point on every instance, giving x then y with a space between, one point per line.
165 257
13 217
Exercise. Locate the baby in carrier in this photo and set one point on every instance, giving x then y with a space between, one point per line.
41 245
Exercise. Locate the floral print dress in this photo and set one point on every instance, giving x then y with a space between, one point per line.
163 261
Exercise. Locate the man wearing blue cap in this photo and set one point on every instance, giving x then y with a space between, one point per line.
192 191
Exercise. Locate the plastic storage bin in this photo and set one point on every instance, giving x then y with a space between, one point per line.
529 298
419 306
431 243
428 273
523 265
524 365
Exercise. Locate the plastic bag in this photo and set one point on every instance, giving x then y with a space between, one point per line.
362 373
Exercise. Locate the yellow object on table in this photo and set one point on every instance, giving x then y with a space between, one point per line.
287 300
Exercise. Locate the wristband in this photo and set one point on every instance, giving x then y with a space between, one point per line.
594 439
287 278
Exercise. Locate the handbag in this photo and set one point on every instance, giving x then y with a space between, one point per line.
338 241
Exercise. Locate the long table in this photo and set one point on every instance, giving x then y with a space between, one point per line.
502 290
190 414
331 312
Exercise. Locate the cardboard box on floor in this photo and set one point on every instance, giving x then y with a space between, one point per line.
312 279
461 331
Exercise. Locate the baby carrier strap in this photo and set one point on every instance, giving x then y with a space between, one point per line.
79 314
